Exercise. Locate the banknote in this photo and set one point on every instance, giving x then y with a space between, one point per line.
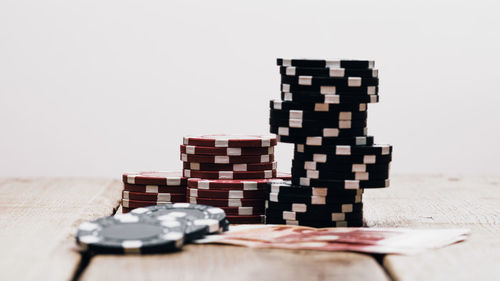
362 239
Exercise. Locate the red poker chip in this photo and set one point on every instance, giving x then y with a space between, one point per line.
139 203
231 140
226 151
243 211
228 159
226 194
259 203
230 167
230 175
168 178
245 219
158 197
229 184
153 188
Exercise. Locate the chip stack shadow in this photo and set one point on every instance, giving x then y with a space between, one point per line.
144 189
230 172
323 111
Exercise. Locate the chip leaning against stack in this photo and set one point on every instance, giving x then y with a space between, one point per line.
230 172
323 111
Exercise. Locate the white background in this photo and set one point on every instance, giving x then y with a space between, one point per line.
96 88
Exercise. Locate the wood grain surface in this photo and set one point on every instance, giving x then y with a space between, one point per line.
437 201
38 220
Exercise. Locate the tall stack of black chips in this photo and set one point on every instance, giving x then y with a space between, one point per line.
323 111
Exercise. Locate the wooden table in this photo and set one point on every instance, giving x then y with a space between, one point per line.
39 217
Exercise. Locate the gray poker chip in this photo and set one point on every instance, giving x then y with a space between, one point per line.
199 219
130 234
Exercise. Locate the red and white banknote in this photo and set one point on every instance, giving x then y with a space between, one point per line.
362 239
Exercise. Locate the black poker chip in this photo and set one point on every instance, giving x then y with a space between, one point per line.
332 159
323 123
130 234
329 99
315 223
327 71
341 167
329 89
318 131
342 184
285 188
313 200
355 64
317 107
336 150
200 219
299 173
323 216
309 208
313 115
319 141
330 81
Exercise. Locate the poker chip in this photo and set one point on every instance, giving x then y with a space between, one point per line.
317 107
230 167
350 81
130 234
342 167
329 89
334 159
320 141
314 199
228 159
332 123
314 115
230 174
324 216
227 202
226 194
230 184
376 149
328 99
318 132
231 140
153 188
299 173
315 223
127 203
168 178
159 197
286 188
226 151
202 219
328 71
342 184
320 209
320 63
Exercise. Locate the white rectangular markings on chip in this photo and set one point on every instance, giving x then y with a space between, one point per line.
250 185
266 142
284 131
325 90
221 159
173 181
333 63
234 202
369 159
294 123
287 215
190 149
125 195
265 158
386 150
290 71
330 132
221 143
300 147
354 82
193 192
184 157
344 124
273 197
347 208
268 174
361 176
318 200
240 167
338 216
343 150
372 90
320 158
375 72
314 141
358 168
132 246
361 141
187 173
245 211
333 99
319 191
288 97
299 207
151 189
131 179
312 174
337 72
310 165
345 115
295 114
286 62
305 181
236 194
226 175
362 107
235 151
285 87
321 107
275 188
305 80
373 99
204 184
351 184
164 197
277 104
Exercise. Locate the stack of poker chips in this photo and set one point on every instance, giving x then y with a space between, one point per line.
230 172
152 188
323 112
